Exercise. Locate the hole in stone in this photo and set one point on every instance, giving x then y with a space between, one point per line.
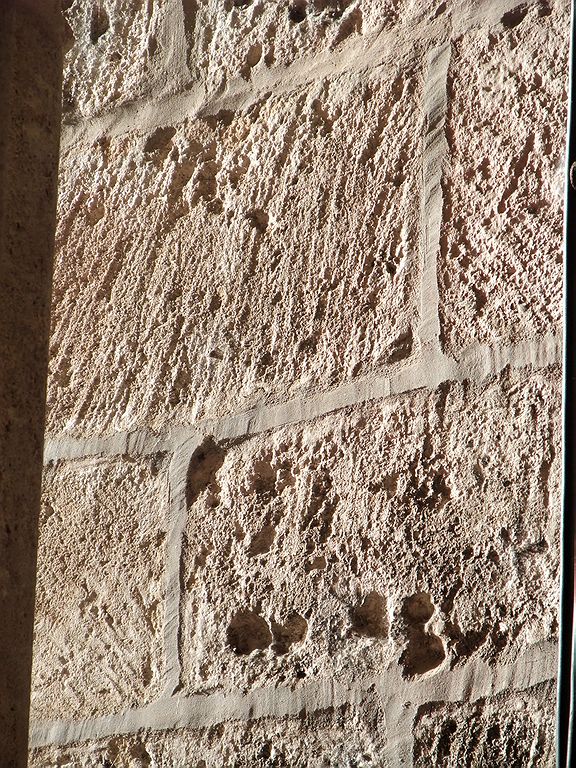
514 17
204 464
258 219
248 632
425 650
401 347
294 630
159 139
262 541
369 618
99 22
297 12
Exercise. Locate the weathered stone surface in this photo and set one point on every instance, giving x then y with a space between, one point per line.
343 737
239 38
237 259
116 51
513 729
421 531
100 590
119 52
500 267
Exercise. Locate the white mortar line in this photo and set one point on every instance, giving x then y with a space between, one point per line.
477 363
435 150
177 515
475 680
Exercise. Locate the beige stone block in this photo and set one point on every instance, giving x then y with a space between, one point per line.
501 252
342 736
124 51
421 531
116 52
238 259
516 728
99 606
243 39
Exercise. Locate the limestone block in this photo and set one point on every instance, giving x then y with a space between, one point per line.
99 603
510 729
116 51
122 51
420 532
239 39
500 268
348 735
239 258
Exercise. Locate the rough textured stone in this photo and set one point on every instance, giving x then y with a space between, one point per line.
119 52
116 51
345 737
515 730
501 263
422 531
237 259
100 590
240 38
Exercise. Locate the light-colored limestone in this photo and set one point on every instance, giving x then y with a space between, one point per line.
349 735
117 51
238 259
501 258
511 729
273 217
99 608
421 531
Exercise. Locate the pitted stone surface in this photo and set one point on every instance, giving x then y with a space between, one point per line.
121 52
422 531
513 729
99 605
501 253
349 735
237 259
116 51
239 38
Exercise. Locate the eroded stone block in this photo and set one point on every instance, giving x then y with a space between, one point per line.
513 729
123 51
237 39
116 52
237 259
99 605
420 532
500 267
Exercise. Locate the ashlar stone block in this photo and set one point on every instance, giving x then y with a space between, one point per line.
420 532
99 604
500 270
239 258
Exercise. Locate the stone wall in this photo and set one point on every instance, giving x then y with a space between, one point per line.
302 480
